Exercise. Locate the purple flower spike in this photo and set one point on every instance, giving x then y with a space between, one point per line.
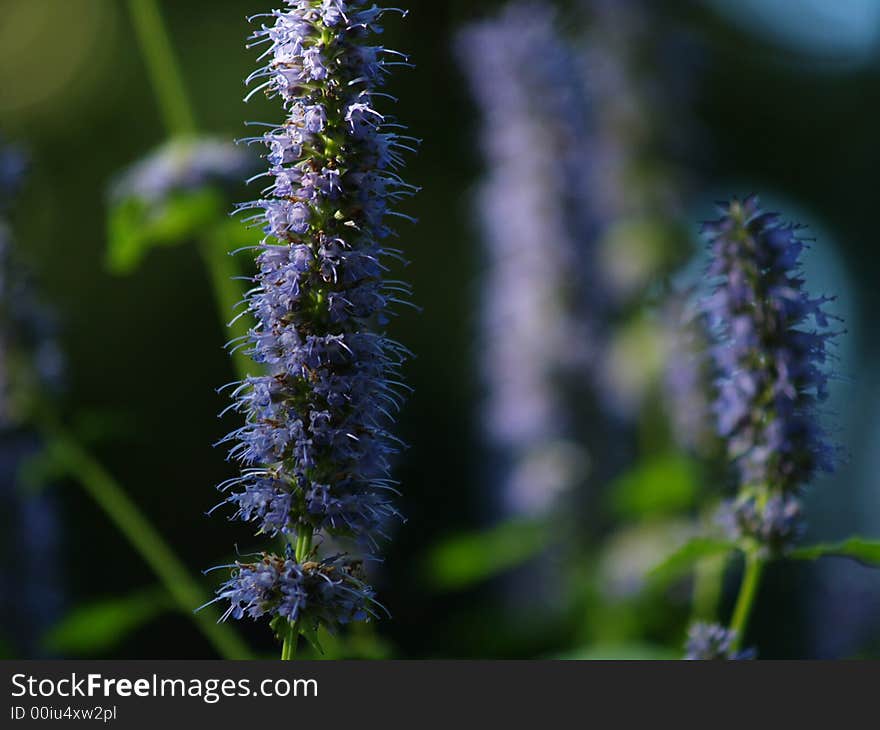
315 446
537 319
772 356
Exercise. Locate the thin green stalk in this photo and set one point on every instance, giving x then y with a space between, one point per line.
747 593
302 548
144 538
223 268
179 117
165 76
303 545
288 648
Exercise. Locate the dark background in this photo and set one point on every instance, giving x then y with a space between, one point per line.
794 119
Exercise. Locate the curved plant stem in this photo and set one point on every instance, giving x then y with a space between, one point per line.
180 120
162 66
747 594
144 538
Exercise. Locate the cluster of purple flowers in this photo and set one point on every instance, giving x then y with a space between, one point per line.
182 165
772 357
328 592
534 208
315 447
713 642
580 213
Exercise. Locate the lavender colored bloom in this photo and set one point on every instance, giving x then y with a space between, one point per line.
315 446
775 525
772 358
535 329
182 165
328 593
713 642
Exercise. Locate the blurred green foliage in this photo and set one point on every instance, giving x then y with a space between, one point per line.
682 561
470 558
99 626
135 226
856 548
665 485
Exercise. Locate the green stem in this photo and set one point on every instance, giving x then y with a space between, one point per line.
223 268
179 117
165 76
288 648
747 594
302 547
144 538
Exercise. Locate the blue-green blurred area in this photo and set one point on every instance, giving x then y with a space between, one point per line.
842 32
780 106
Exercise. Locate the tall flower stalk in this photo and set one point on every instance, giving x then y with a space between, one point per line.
772 356
536 328
315 447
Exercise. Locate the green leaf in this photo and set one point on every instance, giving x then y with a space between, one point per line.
855 548
665 485
682 561
136 226
471 558
99 626
310 633
359 641
636 251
